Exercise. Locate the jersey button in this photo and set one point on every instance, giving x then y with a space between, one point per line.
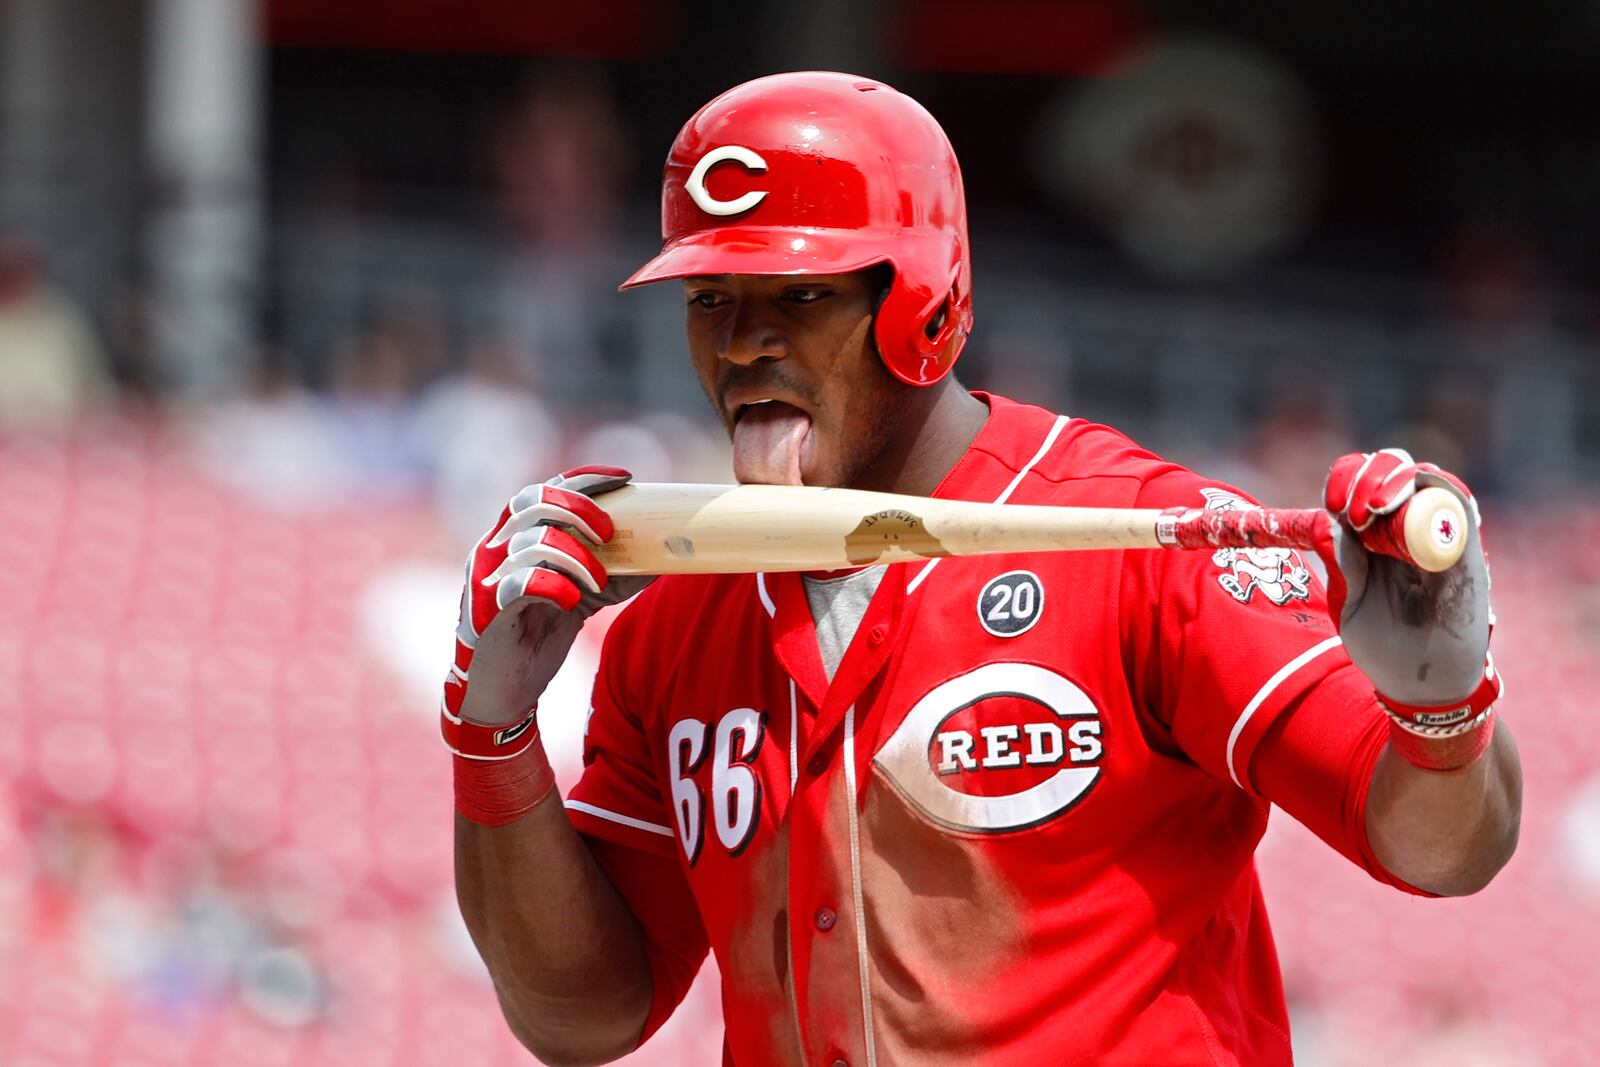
818 764
876 635
840 1063
825 919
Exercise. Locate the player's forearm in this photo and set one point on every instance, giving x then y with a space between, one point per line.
566 955
1447 832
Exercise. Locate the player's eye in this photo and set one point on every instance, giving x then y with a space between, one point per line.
707 299
807 294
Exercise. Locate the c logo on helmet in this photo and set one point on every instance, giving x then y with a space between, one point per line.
696 185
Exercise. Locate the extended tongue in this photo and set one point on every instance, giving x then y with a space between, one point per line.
767 442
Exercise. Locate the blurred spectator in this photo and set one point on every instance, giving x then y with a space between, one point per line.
1026 361
414 318
1494 278
1451 433
374 391
698 448
51 366
1504 341
559 162
1293 444
629 444
275 442
559 159
484 433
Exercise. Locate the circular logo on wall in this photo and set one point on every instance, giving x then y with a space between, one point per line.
1197 155
1011 603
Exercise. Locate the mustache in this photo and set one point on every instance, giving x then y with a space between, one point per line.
774 378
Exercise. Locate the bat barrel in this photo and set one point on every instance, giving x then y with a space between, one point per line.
709 529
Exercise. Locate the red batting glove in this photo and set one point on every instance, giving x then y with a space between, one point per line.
1423 639
530 584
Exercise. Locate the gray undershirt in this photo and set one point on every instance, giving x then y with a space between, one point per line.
837 607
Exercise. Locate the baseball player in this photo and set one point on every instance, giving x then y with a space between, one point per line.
993 810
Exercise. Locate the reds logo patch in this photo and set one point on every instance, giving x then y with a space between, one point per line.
1278 573
1003 747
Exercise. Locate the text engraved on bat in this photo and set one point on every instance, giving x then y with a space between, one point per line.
883 531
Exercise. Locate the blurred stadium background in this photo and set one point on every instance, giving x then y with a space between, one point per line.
293 294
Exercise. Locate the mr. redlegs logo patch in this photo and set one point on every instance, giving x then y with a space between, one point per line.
1003 747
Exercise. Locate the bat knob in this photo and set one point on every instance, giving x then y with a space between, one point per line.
1434 525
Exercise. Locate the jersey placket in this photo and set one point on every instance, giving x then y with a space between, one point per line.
827 931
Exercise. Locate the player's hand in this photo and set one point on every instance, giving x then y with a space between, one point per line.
530 585
1423 639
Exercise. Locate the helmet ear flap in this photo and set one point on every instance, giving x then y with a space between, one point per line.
944 333
920 332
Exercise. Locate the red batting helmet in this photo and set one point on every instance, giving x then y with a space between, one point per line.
822 173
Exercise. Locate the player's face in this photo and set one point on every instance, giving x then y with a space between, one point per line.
790 365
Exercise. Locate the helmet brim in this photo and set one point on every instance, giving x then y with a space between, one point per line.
762 250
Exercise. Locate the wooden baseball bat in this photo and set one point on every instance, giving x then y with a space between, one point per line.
665 528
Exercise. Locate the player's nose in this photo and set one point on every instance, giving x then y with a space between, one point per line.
751 333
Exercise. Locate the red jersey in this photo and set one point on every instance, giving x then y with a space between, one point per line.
1017 826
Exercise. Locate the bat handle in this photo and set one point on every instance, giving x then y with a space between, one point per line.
1428 531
